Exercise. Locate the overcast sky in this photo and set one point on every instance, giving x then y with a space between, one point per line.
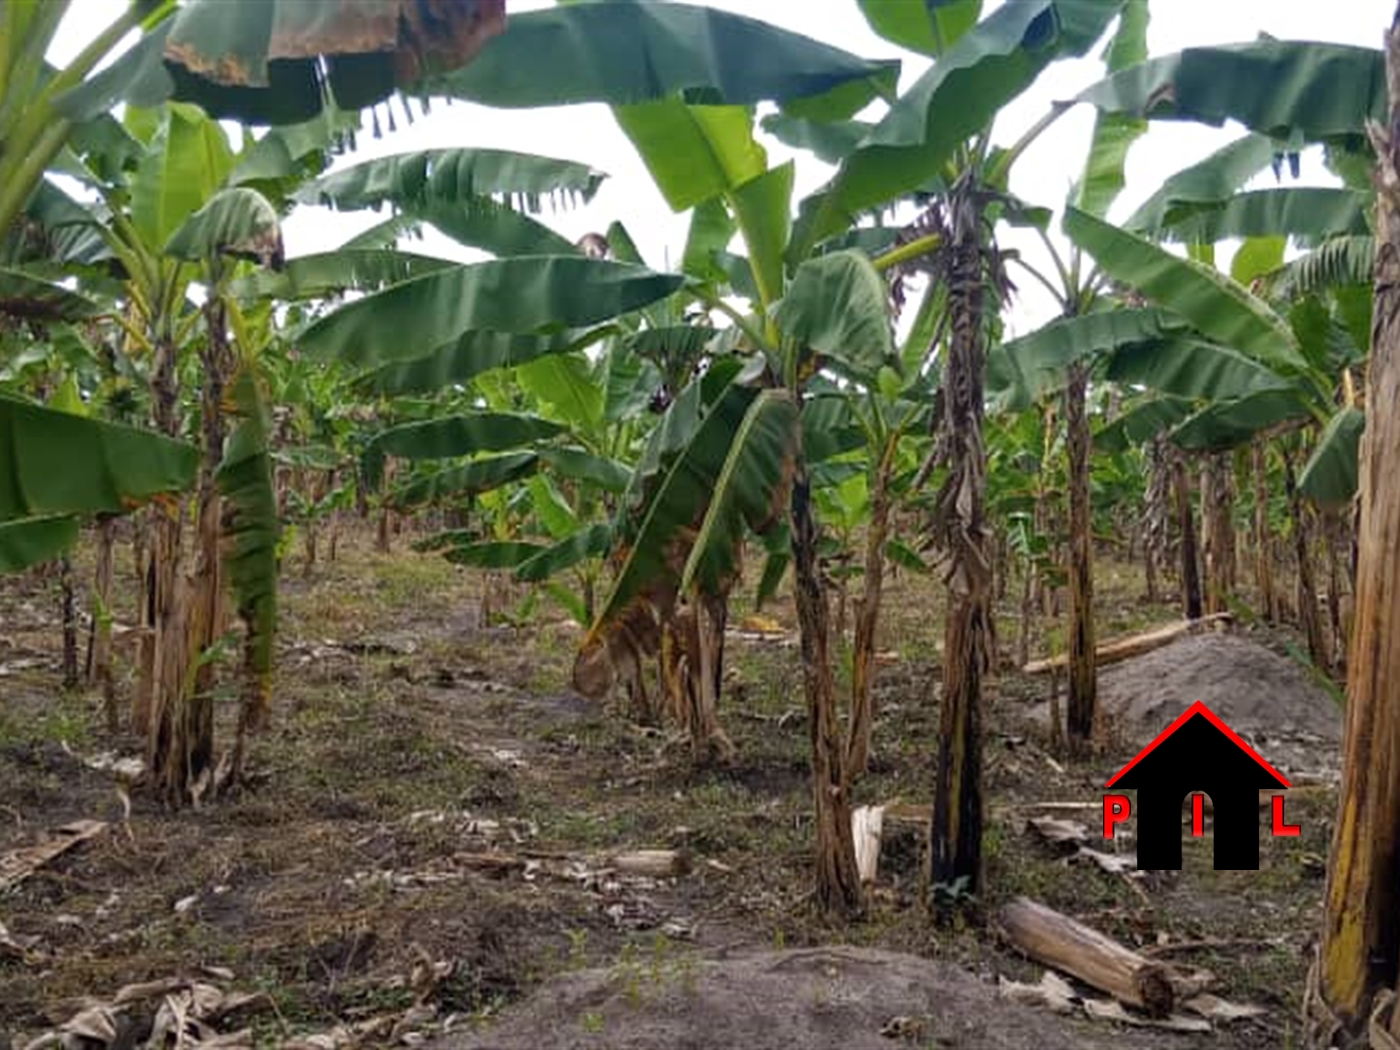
1044 175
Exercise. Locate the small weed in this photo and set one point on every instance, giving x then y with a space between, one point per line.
592 1022
578 949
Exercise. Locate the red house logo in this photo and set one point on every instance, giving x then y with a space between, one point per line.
1197 753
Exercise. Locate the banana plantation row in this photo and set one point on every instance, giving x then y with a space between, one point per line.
626 438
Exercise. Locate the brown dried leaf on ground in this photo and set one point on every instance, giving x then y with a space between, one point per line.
18 864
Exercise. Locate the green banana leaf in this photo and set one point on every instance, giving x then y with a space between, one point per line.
838 305
693 152
1022 371
991 64
578 465
72 232
762 207
1191 368
457 178
519 295
245 478
1309 215
475 353
675 506
1329 476
682 345
462 435
1335 264
564 387
1142 422
591 541
1216 305
494 228
828 141
57 463
1208 182
829 429
711 230
183 166
476 477
324 274
749 490
1280 88
630 385
493 554
285 157
930 28
1232 423
1257 257
623 53
32 541
239 222
29 297
1114 133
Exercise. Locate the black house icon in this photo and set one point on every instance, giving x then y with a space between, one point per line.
1198 752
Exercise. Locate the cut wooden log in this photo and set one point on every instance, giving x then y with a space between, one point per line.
651 863
1062 943
1133 645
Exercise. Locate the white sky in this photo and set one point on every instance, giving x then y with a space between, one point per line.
1043 176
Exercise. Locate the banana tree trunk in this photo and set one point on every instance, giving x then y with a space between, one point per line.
1360 935
955 837
1083 675
184 757
1186 522
868 617
1023 630
163 656
1309 616
1263 537
1156 514
1334 539
1218 530
838 889
70 622
99 662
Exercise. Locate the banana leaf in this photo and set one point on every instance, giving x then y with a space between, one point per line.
32 541
519 295
245 478
1329 476
62 464
1216 305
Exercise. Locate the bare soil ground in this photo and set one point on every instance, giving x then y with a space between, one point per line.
407 739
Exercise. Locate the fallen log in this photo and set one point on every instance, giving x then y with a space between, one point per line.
1062 943
651 863
1126 648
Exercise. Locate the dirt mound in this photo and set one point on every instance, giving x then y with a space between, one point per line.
1267 698
822 998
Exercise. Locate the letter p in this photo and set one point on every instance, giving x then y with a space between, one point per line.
1116 809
